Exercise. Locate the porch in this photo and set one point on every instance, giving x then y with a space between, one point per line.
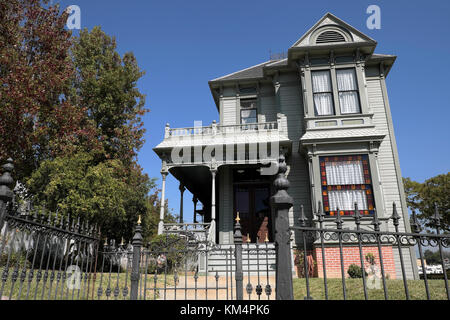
227 169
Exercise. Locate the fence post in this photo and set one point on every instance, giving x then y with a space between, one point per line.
137 244
281 202
6 194
239 276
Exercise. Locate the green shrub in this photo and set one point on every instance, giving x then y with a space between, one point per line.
167 253
355 271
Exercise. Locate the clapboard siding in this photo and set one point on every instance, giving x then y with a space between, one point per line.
268 109
386 163
291 106
229 106
226 206
390 183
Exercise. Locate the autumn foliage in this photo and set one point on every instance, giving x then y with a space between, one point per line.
70 117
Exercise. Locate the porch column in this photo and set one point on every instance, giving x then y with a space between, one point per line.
163 193
182 189
195 200
212 229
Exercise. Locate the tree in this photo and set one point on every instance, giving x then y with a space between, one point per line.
422 197
37 122
106 84
152 218
73 187
70 117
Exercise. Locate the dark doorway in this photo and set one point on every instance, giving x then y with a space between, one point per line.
252 203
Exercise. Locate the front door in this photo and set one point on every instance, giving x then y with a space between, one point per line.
252 203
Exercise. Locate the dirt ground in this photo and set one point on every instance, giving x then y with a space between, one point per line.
206 289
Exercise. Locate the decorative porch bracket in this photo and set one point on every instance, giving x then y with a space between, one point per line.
281 202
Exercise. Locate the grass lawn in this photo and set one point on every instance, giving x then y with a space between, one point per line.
355 289
60 291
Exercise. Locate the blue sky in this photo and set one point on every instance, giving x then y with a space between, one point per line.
183 44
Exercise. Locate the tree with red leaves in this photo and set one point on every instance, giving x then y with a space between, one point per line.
37 119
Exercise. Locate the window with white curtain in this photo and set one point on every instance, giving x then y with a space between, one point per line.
346 180
323 93
348 91
249 114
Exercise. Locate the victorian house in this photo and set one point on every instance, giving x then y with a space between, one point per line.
325 107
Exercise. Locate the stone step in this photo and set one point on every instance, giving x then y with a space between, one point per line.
255 259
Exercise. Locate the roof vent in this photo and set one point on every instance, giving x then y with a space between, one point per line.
330 36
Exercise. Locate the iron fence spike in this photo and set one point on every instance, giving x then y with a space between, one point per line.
338 219
395 217
437 217
357 215
302 218
375 222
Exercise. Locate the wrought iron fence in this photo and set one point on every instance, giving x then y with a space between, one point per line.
373 250
179 266
46 257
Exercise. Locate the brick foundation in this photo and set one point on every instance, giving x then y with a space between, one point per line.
351 256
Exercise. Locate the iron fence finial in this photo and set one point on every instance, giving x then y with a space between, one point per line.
302 218
357 215
437 217
414 223
395 217
338 219
6 181
375 222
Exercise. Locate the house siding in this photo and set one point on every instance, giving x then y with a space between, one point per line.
229 107
291 106
268 105
386 164
390 183
225 205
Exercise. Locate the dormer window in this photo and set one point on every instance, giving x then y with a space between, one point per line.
323 93
348 91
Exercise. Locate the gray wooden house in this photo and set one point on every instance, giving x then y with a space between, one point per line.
325 106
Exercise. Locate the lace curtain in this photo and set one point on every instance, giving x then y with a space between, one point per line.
348 91
346 173
323 98
345 199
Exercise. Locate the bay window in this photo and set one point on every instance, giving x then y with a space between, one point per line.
346 180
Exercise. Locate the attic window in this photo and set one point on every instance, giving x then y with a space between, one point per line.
330 36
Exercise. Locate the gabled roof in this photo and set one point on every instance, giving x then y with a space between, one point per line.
352 35
330 20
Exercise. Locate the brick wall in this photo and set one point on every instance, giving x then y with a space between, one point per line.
351 256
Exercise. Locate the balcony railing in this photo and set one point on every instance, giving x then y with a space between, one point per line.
214 129
196 231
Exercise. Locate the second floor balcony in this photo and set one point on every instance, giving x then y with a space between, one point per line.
217 134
